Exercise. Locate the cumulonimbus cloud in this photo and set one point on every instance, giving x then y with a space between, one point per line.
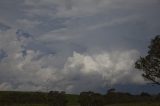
96 69
106 68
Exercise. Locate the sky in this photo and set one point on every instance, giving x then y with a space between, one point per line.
75 45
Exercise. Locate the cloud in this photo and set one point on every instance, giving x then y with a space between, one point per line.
21 33
76 8
104 69
4 27
27 24
33 73
66 8
29 72
3 54
74 45
5 86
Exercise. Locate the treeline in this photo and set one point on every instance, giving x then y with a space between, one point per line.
55 98
113 97
120 97
91 99
9 98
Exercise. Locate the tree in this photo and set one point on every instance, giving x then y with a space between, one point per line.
150 64
56 98
111 90
145 94
91 99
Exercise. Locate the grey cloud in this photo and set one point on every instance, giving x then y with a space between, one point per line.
21 33
10 8
101 70
77 69
75 43
3 54
4 27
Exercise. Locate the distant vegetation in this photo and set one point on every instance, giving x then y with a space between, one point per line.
55 98
91 99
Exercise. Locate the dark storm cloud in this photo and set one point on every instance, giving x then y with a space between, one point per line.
3 54
11 10
4 27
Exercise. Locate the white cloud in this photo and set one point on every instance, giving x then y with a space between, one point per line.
5 86
27 24
97 69
111 66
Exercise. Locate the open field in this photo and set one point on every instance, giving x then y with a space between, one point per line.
136 104
127 104
124 104
26 105
40 98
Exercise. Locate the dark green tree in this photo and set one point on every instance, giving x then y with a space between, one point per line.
150 64
91 99
56 98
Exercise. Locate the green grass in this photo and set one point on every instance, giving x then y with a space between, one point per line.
72 99
136 104
30 105
129 104
125 104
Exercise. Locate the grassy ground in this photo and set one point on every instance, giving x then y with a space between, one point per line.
128 104
30 105
26 105
72 99
136 104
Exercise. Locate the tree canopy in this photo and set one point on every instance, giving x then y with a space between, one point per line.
150 64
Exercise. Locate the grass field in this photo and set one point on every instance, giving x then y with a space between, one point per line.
136 104
30 105
72 99
128 104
